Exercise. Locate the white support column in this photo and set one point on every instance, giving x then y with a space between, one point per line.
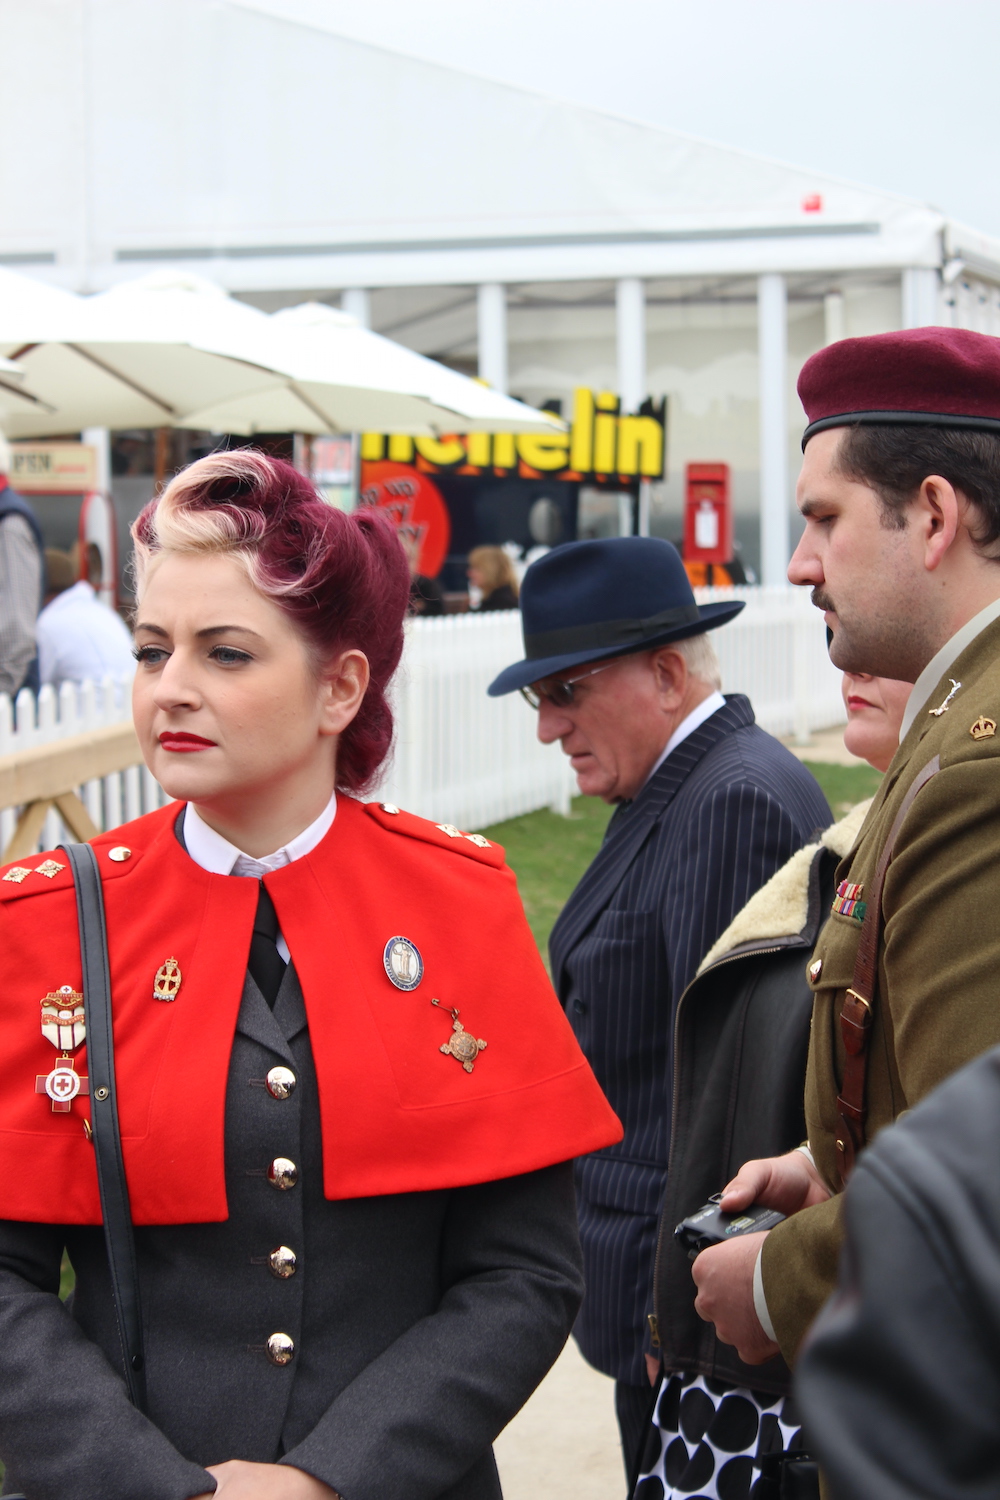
834 318
630 324
99 438
772 344
492 317
921 289
357 301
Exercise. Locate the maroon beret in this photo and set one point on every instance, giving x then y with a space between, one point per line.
939 377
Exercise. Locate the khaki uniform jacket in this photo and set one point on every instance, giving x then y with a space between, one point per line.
938 1001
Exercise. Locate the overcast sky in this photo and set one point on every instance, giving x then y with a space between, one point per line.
898 94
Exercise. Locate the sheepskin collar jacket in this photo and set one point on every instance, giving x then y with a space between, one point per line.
740 1045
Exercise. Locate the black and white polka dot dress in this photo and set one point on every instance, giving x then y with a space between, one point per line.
705 1438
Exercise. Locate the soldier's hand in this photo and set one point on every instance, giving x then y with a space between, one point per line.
723 1275
242 1481
787 1183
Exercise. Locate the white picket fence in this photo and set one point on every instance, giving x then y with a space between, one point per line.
460 756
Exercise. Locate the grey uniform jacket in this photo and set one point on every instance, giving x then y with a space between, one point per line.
421 1322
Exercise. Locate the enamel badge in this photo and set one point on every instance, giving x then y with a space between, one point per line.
167 980
983 728
403 963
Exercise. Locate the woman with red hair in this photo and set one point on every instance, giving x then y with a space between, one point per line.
347 1096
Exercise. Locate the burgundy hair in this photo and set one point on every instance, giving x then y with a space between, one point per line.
342 579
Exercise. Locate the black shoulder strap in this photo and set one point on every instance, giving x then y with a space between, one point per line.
113 1188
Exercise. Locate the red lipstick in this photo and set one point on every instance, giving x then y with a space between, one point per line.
178 741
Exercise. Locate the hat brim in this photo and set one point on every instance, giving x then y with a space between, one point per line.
533 670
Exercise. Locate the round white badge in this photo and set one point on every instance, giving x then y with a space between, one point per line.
62 1085
403 963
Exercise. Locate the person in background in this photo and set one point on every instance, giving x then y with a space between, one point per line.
78 636
621 671
491 571
741 1040
21 583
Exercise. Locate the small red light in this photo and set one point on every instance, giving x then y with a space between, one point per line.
812 203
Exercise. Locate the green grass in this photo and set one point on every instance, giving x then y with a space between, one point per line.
844 786
549 853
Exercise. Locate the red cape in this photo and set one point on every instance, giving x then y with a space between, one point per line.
397 1115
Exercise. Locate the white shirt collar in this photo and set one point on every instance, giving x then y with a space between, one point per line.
705 709
939 664
217 855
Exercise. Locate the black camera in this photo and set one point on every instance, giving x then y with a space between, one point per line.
710 1226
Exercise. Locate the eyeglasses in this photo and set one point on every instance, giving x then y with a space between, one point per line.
559 690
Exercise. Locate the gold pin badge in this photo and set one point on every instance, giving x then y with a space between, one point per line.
17 873
450 830
49 868
983 728
479 841
463 1047
167 982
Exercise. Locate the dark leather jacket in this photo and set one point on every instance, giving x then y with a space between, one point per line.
740 1045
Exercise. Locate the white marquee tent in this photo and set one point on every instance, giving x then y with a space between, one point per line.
548 242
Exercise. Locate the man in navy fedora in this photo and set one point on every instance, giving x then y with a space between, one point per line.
622 673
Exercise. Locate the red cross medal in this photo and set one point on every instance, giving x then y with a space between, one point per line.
63 1026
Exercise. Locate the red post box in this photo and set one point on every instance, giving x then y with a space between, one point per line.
708 514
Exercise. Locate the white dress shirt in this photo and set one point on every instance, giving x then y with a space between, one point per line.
79 637
217 855
706 708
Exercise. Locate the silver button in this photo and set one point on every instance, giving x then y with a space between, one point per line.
119 854
282 1262
282 1173
280 1082
389 807
280 1349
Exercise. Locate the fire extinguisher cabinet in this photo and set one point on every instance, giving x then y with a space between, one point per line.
708 514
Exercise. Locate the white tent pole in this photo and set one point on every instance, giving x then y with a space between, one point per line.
99 438
921 291
492 311
357 301
772 343
630 302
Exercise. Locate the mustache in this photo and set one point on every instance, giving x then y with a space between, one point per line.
823 601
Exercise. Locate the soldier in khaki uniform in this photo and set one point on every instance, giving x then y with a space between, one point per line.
900 490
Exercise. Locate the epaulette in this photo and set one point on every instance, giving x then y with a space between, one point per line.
442 835
118 851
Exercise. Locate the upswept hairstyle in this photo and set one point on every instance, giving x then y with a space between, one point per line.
342 579
894 460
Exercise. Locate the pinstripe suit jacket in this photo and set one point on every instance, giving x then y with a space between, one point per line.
722 813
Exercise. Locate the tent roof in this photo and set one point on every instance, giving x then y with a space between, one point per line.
277 154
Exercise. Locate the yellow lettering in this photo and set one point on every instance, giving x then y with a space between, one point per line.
477 446
605 431
581 451
640 446
445 454
546 451
372 446
401 447
504 454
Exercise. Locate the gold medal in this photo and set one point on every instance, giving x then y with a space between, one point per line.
463 1046
63 1025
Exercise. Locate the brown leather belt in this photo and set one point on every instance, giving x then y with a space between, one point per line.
859 1002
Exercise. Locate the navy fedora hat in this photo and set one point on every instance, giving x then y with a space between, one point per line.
588 600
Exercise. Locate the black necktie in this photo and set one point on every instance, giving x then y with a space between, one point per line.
266 964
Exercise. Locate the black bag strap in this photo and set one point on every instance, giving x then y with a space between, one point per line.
118 1236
